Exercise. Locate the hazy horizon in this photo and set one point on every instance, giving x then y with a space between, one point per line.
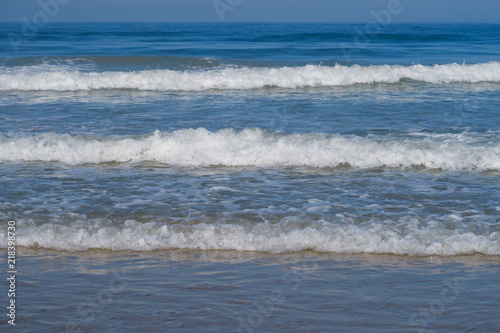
252 11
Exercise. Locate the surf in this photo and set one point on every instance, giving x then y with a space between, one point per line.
67 78
260 148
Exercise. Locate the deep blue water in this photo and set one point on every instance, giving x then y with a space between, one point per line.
260 137
171 44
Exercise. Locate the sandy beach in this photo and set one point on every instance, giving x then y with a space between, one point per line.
229 291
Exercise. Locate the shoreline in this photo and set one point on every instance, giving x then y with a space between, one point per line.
230 291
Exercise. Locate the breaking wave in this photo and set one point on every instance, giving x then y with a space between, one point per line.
320 236
66 78
260 148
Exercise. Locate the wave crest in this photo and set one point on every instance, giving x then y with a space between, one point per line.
319 236
256 147
62 78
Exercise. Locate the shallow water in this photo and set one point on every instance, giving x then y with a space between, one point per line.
231 291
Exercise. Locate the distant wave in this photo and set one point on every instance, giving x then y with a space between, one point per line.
256 147
63 78
377 237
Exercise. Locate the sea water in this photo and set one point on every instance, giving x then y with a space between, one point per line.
261 137
275 138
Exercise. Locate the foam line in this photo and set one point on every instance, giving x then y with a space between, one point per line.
377 237
256 147
63 78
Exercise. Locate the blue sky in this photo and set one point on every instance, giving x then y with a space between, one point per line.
251 10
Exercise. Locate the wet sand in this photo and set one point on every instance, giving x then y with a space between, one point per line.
228 291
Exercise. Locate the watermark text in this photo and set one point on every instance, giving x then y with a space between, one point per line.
11 272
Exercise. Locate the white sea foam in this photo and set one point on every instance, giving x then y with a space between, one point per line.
377 237
63 78
256 147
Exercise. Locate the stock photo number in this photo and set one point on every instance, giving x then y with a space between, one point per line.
11 271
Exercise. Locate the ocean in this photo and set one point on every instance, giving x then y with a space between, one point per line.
252 177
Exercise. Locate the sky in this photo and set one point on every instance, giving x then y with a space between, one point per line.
250 10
